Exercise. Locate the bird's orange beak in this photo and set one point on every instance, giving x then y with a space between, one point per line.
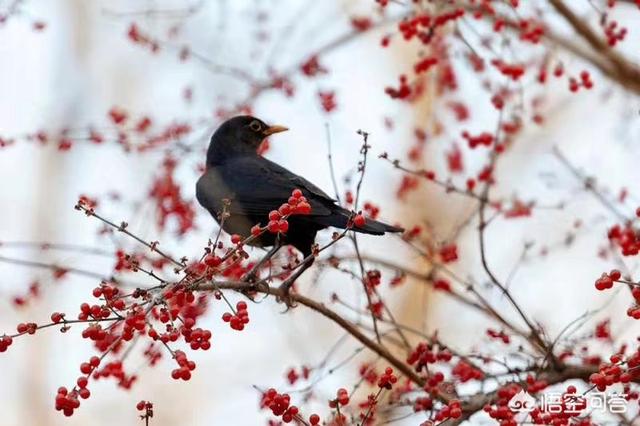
274 129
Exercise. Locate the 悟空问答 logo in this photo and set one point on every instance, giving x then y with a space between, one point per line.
522 402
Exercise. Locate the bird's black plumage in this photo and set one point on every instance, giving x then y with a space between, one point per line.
255 186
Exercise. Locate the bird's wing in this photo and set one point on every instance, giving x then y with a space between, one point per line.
256 186
299 181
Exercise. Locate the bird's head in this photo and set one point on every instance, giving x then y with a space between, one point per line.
239 135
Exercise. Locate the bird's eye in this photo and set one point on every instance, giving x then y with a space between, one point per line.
255 126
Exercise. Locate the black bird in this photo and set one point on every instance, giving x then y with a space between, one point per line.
255 186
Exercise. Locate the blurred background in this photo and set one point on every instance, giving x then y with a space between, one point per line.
67 63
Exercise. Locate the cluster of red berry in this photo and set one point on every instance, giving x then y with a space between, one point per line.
5 342
624 236
185 366
170 204
500 410
279 404
425 64
584 81
613 32
606 280
312 67
67 401
448 253
465 371
27 327
423 354
387 379
297 204
342 398
293 376
402 92
197 338
238 320
115 369
423 26
452 410
513 71
484 138
499 335
613 372
147 407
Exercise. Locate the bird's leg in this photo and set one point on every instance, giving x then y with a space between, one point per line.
285 287
252 275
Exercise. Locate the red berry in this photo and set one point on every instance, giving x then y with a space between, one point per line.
273 227
185 374
274 215
56 317
284 209
212 261
82 382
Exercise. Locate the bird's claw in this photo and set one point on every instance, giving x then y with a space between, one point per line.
262 287
250 277
249 295
257 285
284 295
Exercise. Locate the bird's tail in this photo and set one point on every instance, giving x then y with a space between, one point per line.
375 227
340 219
